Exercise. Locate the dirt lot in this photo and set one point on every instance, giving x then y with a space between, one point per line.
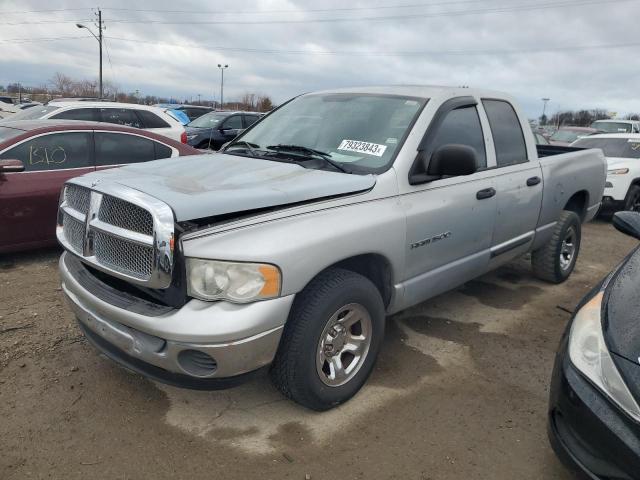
459 392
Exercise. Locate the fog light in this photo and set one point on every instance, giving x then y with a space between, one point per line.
197 363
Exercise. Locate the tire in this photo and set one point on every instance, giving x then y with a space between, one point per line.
551 263
632 200
296 370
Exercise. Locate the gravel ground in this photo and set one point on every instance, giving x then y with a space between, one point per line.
460 391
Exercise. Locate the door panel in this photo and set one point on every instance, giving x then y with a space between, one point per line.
449 234
29 199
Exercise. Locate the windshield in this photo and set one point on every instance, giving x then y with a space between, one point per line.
358 131
567 135
33 113
613 147
612 127
209 120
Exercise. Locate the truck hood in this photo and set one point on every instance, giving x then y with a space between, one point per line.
202 186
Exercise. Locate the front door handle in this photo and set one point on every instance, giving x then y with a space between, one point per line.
486 193
533 181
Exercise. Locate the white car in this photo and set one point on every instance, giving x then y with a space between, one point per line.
617 126
622 151
128 114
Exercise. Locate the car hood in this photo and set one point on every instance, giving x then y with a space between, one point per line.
202 186
616 161
622 320
192 130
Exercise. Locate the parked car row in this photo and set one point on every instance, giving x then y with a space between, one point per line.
38 156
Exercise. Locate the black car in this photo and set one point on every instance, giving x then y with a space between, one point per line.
214 129
594 405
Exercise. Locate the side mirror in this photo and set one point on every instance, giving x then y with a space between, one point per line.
11 166
453 160
628 223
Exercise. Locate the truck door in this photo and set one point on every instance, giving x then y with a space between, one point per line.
518 184
449 220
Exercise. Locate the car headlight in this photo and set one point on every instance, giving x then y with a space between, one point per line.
589 354
233 281
618 171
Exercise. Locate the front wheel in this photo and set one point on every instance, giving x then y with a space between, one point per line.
330 341
555 261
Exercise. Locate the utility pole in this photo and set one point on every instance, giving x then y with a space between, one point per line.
198 99
222 67
99 39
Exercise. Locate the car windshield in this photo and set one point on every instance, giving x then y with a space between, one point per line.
7 133
612 127
33 113
567 135
358 132
209 120
613 147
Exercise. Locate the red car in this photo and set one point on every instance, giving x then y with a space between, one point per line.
37 157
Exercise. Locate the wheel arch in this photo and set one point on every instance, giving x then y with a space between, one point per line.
578 203
373 266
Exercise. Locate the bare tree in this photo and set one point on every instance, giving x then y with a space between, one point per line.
61 83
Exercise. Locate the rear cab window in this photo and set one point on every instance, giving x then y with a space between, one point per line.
506 130
54 151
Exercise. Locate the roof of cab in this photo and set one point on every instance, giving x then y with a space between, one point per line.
421 91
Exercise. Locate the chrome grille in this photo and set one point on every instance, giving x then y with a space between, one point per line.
74 232
77 198
125 215
125 233
123 256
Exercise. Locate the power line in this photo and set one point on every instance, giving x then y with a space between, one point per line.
46 22
40 39
514 8
309 10
386 53
7 12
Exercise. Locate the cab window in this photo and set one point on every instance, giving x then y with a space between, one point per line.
507 133
234 122
54 151
120 116
462 126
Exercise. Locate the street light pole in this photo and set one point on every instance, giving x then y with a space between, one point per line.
544 106
99 39
222 67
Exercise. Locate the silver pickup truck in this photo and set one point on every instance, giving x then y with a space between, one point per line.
290 246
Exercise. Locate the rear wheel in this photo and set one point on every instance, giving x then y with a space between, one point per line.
330 341
632 201
555 261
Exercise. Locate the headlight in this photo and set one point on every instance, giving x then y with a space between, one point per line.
589 354
236 282
618 171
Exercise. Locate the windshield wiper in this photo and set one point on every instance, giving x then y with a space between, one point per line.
251 146
310 153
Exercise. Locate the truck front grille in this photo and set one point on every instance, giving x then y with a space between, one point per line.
78 198
126 234
123 256
125 215
74 232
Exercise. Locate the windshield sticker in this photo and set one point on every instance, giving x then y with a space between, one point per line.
362 147
392 141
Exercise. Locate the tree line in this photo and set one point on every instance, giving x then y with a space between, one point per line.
61 86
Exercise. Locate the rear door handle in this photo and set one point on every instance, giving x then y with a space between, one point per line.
486 193
533 181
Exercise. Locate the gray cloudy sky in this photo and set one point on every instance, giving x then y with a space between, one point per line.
304 45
